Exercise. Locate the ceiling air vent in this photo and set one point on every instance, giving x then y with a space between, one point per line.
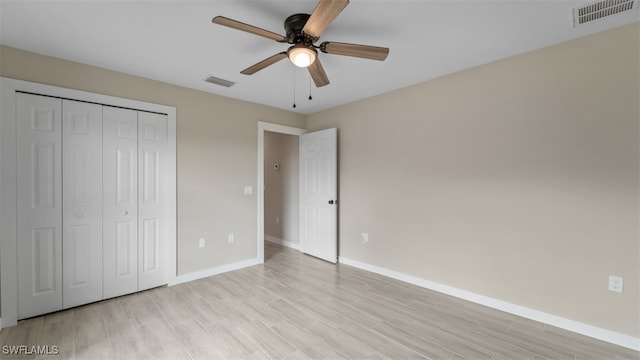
218 81
601 9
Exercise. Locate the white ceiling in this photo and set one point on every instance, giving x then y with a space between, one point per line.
175 41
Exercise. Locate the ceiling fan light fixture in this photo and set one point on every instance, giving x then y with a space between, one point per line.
302 55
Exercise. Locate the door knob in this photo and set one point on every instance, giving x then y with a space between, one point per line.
331 202
126 212
79 215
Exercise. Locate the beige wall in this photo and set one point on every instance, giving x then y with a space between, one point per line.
281 187
516 180
216 152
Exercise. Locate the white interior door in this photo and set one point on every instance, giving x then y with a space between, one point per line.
152 217
81 203
318 194
120 196
39 204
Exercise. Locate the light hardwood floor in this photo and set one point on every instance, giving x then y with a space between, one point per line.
298 307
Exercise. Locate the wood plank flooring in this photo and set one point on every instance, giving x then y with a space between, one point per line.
298 307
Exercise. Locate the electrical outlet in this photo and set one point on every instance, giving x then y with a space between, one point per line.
202 242
615 283
365 237
231 237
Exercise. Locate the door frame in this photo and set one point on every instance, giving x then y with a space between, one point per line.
8 199
276 128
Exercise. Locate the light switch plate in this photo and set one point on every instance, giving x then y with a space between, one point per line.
615 283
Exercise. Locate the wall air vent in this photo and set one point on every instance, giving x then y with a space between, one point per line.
601 9
218 81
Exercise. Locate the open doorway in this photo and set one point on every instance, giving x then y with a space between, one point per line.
281 189
272 203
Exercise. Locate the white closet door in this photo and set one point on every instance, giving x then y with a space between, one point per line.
152 146
39 207
120 201
82 203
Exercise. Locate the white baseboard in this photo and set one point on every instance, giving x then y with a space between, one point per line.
214 271
557 321
286 243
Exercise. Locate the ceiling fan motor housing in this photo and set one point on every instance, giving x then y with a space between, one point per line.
293 26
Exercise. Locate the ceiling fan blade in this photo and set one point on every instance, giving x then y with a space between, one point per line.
264 63
361 51
317 73
324 13
221 20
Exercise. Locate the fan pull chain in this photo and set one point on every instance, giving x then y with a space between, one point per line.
310 98
294 88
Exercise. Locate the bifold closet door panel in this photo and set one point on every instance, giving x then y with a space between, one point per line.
120 201
39 204
81 203
152 172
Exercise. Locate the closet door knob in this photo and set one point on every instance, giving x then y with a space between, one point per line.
79 215
126 212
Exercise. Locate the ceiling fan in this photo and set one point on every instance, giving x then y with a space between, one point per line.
302 31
